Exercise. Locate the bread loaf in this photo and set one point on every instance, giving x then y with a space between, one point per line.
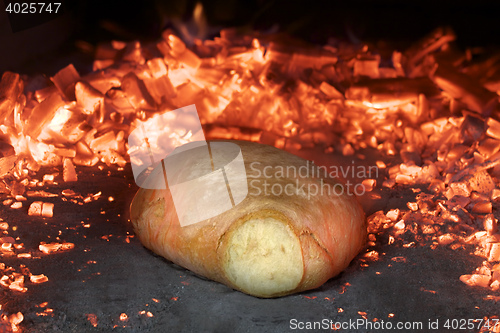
292 232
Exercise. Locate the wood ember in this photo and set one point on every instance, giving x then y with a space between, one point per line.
39 208
11 88
462 87
65 80
69 173
38 278
54 247
42 114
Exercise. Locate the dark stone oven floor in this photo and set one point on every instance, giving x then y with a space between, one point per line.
105 275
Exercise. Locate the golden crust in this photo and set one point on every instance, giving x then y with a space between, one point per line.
331 228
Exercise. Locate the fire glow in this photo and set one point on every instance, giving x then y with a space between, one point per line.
435 126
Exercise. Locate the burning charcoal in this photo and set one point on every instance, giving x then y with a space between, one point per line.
17 189
69 173
102 82
65 79
160 85
411 156
367 66
38 278
447 239
494 253
481 182
133 53
476 280
87 97
54 247
112 157
64 152
11 87
67 126
176 48
6 149
47 209
35 208
489 147
7 164
431 43
42 114
490 224
84 155
106 51
369 184
101 64
464 88
493 128
137 93
16 205
330 91
188 93
18 284
383 93
460 188
104 142
481 207
471 129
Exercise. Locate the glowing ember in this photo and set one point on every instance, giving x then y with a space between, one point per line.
39 278
15 319
55 247
39 208
92 318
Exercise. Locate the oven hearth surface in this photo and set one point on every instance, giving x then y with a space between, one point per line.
104 276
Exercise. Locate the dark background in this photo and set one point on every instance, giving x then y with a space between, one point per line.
28 46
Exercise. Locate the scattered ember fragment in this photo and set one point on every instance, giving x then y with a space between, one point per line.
398 259
15 319
39 208
123 317
55 247
476 280
16 205
68 193
41 194
18 284
92 318
69 173
38 278
428 291
369 184
492 298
